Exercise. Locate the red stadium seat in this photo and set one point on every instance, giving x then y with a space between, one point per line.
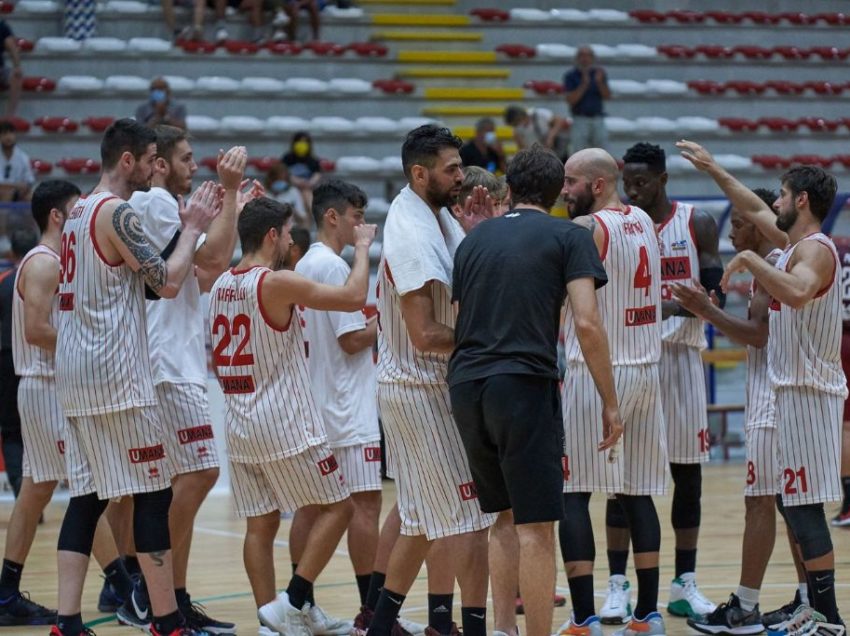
25 45
746 87
648 16
241 47
78 165
707 87
792 52
38 84
683 16
812 160
284 48
753 52
197 46
825 88
98 124
829 52
491 15
771 162
368 49
21 125
520 51
263 164
677 51
57 124
725 17
394 86
785 88
819 124
6 7
833 19
761 17
797 18
779 124
327 165
210 163
844 160
738 124
714 51
325 48
41 167
544 87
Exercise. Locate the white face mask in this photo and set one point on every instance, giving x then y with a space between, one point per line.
490 138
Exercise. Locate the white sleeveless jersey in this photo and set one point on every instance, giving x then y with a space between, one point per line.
102 363
270 411
398 360
31 361
760 398
804 348
630 303
680 264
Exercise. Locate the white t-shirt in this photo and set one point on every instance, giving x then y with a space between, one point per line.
16 169
175 326
343 385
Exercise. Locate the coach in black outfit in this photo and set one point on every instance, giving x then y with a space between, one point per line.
512 275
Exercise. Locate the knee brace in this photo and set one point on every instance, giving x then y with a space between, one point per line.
78 526
615 516
808 523
643 521
575 531
150 521
687 491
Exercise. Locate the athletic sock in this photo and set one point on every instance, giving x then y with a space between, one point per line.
647 598
182 597
376 584
168 623
131 564
823 594
748 597
117 576
298 591
70 625
803 593
386 612
686 561
10 578
845 485
581 592
440 612
617 560
363 581
474 620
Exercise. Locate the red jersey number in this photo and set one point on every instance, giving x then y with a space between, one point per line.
240 326
643 279
67 258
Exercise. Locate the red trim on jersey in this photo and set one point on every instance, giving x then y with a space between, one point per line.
663 223
692 230
263 313
607 237
26 260
389 273
834 267
239 272
94 236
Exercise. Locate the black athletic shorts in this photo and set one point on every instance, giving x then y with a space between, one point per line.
513 433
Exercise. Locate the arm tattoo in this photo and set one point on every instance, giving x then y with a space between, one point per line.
128 227
157 557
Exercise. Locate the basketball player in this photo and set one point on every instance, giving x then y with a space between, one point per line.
114 439
689 250
518 270
630 307
35 305
177 345
339 354
842 519
279 455
436 496
804 366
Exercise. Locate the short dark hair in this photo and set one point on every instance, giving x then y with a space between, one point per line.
125 135
6 126
535 176
167 138
301 238
650 154
23 240
817 183
257 218
513 114
54 193
338 194
767 196
423 144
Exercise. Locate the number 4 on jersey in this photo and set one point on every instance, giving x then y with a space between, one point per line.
643 279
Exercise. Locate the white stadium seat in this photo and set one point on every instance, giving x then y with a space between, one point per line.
79 83
38 6
58 45
638 51
666 87
697 124
620 125
126 6
149 45
733 162
556 51
110 45
531 15
217 84
376 124
242 123
179 84
608 15
677 163
332 124
262 85
392 163
350 85
202 123
306 85
351 13
570 15
126 84
655 124
358 164
409 123
603 51
626 87
287 124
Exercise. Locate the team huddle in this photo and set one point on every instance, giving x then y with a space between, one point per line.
489 444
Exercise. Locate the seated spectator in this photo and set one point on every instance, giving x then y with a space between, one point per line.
293 7
196 30
159 109
279 187
496 187
539 125
300 244
484 150
16 177
304 169
10 79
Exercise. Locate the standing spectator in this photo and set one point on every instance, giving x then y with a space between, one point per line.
278 184
10 80
586 89
16 177
159 109
484 150
304 169
293 7
80 23
539 125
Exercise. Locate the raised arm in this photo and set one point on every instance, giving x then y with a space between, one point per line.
38 284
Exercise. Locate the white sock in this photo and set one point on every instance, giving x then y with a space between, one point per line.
804 592
748 596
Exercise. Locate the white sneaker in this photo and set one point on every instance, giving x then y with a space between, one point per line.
221 34
686 599
417 629
323 625
280 19
590 627
265 631
281 616
618 604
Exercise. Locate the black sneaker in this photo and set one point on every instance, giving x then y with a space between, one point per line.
18 609
136 610
729 618
109 600
783 613
197 619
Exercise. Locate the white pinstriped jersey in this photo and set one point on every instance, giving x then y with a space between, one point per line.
804 348
680 264
102 363
270 412
630 303
398 360
761 405
31 361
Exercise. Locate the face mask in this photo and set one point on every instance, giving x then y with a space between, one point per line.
157 95
279 186
490 138
301 148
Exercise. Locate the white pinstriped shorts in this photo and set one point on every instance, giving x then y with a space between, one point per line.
361 466
764 466
185 414
684 402
42 429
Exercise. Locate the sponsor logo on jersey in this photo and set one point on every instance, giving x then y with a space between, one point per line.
678 246
66 301
328 465
675 268
146 454
468 491
195 434
237 384
637 316
775 305
60 444
372 453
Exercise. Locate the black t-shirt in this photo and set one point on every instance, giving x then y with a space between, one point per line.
472 156
5 32
510 278
304 167
7 290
